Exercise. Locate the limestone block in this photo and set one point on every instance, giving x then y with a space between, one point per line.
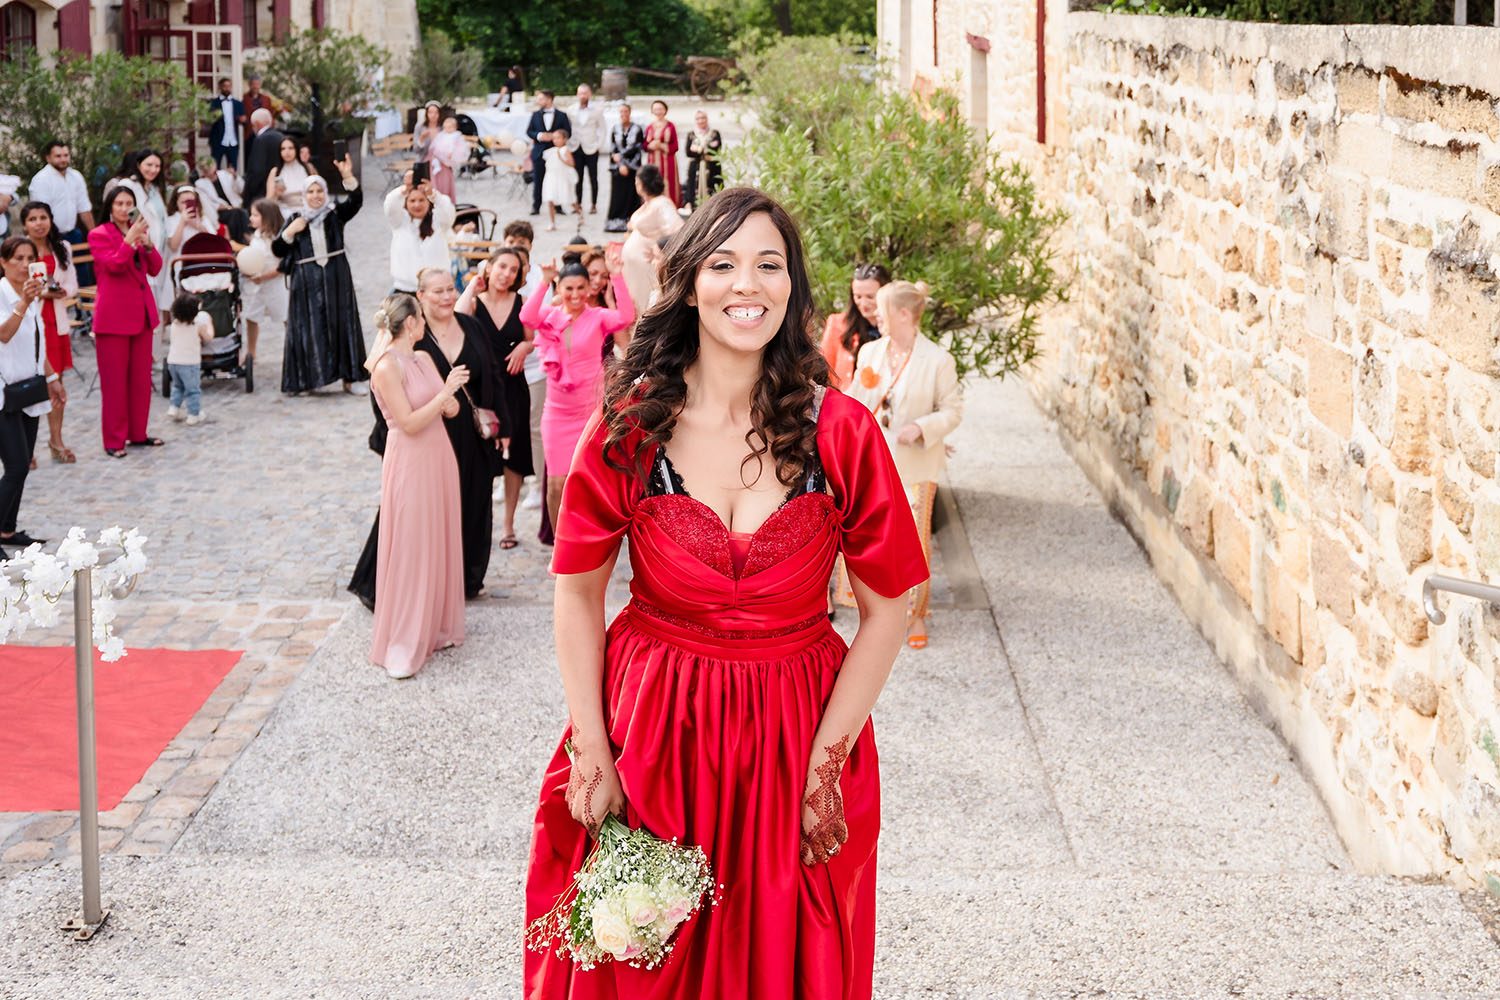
1358 91
1388 260
1411 444
1455 502
1195 513
1330 385
1283 612
1375 395
1450 171
1486 533
1362 149
1411 234
1414 528
1489 188
1343 218
1335 577
1455 109
1465 317
1416 689
1232 548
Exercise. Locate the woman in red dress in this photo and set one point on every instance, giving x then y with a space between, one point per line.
661 149
720 708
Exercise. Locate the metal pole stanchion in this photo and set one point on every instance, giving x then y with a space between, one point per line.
94 915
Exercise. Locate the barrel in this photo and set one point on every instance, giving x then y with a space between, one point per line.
614 83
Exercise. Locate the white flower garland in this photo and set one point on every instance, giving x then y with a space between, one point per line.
44 579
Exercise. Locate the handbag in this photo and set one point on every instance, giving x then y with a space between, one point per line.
28 391
486 421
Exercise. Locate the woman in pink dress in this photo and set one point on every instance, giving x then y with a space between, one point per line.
570 343
661 150
419 562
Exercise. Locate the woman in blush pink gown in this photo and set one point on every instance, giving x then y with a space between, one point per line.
419 561
570 342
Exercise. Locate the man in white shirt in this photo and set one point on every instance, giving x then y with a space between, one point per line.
585 142
64 191
224 135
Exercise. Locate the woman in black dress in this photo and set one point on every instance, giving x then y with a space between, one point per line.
493 298
454 339
705 172
324 340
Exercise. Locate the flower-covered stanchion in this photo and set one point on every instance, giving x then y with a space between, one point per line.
32 586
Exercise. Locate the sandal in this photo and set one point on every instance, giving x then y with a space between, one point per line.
62 453
509 542
917 640
147 442
115 452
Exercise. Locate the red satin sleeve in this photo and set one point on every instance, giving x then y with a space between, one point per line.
880 541
597 505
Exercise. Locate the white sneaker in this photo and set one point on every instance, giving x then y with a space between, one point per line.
401 673
197 418
357 388
175 412
533 500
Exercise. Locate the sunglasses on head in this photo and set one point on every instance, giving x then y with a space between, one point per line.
864 272
885 412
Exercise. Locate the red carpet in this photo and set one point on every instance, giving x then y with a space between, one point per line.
141 703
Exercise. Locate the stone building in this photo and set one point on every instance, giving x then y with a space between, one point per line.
193 31
1281 362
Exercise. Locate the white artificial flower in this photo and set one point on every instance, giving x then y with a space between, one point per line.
112 537
76 553
46 576
10 619
112 649
45 613
9 592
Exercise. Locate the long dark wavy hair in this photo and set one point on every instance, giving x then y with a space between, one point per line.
55 242
646 390
859 331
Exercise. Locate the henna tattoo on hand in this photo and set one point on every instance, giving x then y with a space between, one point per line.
827 804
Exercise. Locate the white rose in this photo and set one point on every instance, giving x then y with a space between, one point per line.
640 906
611 932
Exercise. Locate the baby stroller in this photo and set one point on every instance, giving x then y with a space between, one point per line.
479 156
206 267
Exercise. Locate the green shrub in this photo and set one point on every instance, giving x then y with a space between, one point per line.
101 106
911 186
326 76
1298 11
809 83
436 71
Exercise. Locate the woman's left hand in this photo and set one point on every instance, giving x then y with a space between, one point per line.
824 830
57 393
346 167
450 407
910 434
515 361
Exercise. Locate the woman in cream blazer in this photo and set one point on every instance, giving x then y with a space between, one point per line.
911 385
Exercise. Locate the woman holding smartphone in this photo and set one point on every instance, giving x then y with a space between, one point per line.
62 281
22 362
125 316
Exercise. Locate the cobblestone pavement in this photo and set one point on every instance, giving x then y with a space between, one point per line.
254 521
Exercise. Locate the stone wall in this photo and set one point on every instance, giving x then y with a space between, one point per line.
1280 361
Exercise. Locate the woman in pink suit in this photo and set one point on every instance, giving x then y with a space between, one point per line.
419 560
570 343
125 318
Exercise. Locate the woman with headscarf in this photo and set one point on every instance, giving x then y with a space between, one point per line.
324 340
705 172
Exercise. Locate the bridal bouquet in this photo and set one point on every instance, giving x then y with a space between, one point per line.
632 893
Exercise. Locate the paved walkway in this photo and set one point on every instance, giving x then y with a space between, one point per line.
1077 799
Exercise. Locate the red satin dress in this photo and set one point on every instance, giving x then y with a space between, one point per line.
715 678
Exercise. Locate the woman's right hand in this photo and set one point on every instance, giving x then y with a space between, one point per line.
458 376
137 233
31 290
594 790
295 226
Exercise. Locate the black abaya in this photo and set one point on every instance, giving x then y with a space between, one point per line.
324 338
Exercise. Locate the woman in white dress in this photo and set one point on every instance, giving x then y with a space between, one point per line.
288 179
263 292
448 151
560 182
656 219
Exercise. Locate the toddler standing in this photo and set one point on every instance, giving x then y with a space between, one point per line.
560 182
189 330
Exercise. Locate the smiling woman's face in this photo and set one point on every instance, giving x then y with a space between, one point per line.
742 288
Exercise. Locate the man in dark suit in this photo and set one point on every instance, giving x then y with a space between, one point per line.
262 156
224 135
544 121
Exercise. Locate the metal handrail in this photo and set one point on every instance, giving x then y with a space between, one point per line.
1468 588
